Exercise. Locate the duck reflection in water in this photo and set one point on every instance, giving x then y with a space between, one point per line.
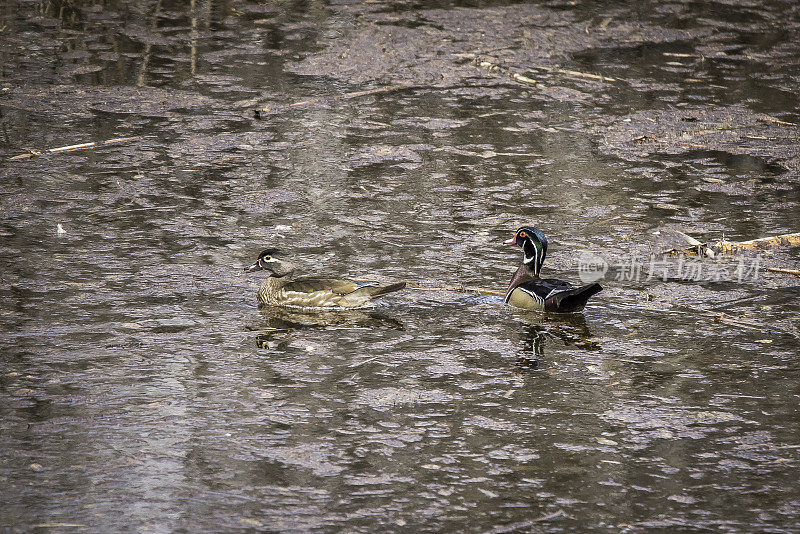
571 329
281 323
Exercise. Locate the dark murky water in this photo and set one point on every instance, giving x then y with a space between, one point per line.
142 389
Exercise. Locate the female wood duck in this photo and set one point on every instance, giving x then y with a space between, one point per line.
280 289
527 290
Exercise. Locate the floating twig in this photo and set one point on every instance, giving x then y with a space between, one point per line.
496 67
73 147
702 249
577 74
786 240
772 120
521 78
729 247
795 272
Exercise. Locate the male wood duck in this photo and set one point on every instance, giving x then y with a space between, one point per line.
280 289
528 291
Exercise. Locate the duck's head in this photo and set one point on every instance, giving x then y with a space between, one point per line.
534 247
272 261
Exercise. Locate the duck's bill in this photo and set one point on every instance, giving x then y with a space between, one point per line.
255 267
512 241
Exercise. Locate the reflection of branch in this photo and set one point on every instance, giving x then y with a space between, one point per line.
193 39
68 148
148 48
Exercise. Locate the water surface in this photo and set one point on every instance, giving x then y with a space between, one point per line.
143 389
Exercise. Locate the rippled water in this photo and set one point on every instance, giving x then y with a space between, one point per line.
141 388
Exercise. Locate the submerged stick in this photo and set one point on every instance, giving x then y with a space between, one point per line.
727 319
732 321
68 148
669 138
355 94
525 525
457 289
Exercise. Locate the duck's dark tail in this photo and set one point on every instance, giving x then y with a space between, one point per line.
379 291
368 291
573 300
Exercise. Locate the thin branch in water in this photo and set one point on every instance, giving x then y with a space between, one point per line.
69 148
495 67
389 88
133 210
577 74
359 364
517 527
730 303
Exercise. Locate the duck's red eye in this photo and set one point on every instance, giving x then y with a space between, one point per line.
522 234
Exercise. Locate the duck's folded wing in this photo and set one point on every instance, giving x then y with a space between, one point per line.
333 285
543 288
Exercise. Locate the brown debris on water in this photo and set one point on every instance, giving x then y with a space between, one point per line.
735 130
728 247
437 46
